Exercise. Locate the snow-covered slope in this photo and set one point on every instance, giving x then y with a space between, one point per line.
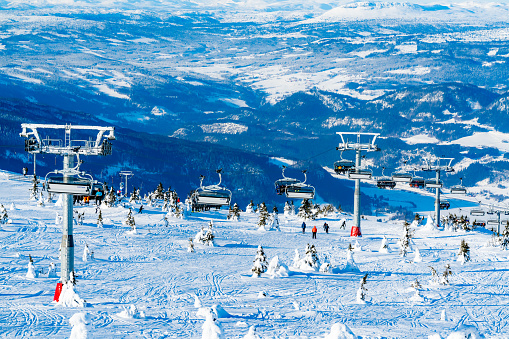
147 284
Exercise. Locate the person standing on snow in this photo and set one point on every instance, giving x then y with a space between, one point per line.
314 230
326 227
303 227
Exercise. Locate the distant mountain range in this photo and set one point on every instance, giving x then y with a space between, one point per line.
204 90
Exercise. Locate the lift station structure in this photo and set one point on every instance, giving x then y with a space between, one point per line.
69 180
358 173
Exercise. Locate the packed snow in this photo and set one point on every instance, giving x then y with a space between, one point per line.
147 284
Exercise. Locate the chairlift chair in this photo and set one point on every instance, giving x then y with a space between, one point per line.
212 195
417 182
79 184
478 224
433 183
402 176
360 174
492 222
385 182
477 212
343 166
300 190
459 189
444 205
281 184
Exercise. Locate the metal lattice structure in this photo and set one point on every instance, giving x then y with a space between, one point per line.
98 144
358 146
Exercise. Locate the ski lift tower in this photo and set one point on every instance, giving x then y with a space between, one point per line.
72 181
437 165
127 175
357 174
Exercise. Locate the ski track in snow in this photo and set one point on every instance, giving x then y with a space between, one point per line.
153 270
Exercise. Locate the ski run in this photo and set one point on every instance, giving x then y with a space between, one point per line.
173 273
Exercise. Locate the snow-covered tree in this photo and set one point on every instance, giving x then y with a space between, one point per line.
234 213
289 209
159 192
444 279
259 263
264 216
311 257
111 198
52 270
417 297
129 221
305 210
505 237
40 201
351 266
35 188
404 242
205 237
4 218
384 247
276 269
79 323
274 219
327 210
361 292
190 246
251 207
31 273
464 252
135 195
87 254
417 257
211 328
251 334
100 222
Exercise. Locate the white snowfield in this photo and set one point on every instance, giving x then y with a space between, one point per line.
147 285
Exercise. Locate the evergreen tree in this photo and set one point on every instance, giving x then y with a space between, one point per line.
361 292
505 236
209 236
3 215
234 213
260 262
129 221
404 242
305 211
111 198
445 276
328 210
263 219
159 192
311 258
464 252
287 210
190 246
35 188
274 219
251 207
100 219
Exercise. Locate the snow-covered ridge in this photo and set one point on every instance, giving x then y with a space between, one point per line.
467 11
224 128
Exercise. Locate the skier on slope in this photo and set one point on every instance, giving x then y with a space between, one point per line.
326 227
303 227
314 230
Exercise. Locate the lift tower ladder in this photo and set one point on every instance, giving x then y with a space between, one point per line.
358 146
98 145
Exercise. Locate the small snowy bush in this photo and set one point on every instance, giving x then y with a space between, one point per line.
79 322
